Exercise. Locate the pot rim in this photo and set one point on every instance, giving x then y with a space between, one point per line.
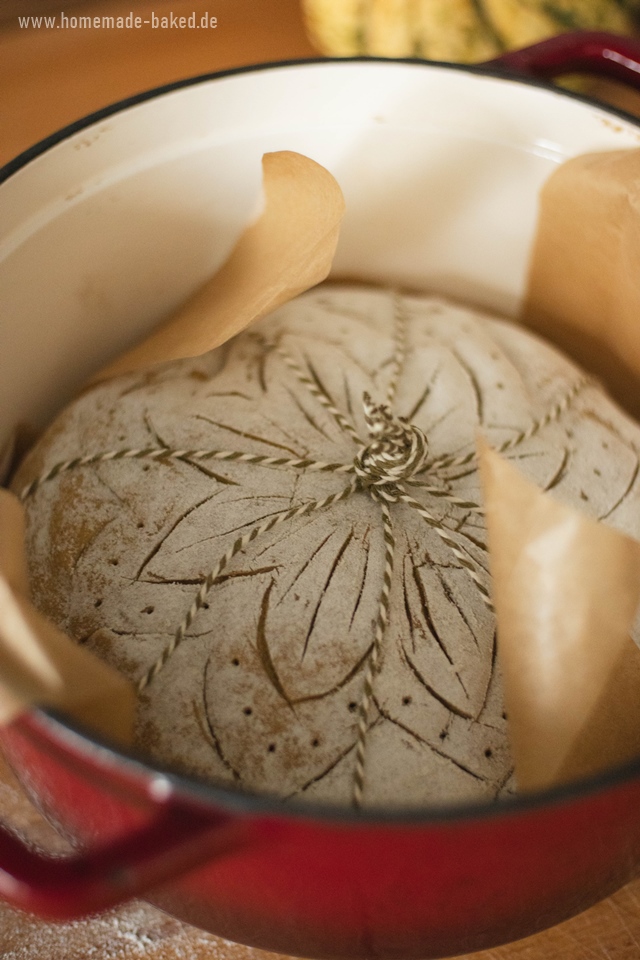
8 169
79 740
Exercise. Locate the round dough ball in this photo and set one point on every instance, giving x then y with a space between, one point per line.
266 691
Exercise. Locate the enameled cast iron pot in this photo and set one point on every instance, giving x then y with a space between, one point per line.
104 228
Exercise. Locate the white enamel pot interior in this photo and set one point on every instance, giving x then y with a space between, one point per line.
107 227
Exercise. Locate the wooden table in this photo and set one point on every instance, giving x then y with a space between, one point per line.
48 78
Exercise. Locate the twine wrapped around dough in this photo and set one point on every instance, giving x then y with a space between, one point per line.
393 457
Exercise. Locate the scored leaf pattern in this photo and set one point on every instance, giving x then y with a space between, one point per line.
265 687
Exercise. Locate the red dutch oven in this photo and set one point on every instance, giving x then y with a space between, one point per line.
299 879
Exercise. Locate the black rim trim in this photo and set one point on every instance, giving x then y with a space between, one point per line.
79 739
31 153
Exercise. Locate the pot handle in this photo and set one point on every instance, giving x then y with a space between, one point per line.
613 56
71 887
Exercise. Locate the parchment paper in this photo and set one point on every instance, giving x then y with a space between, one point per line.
566 590
584 281
38 663
286 251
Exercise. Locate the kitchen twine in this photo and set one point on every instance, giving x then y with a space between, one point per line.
395 455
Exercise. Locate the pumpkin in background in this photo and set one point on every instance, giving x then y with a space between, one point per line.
465 31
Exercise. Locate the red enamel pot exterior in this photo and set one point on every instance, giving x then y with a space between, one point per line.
310 881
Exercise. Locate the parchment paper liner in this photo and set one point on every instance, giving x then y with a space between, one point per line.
584 280
40 664
566 589
285 252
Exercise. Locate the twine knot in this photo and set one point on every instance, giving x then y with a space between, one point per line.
397 450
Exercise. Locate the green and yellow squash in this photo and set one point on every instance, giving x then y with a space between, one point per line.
464 31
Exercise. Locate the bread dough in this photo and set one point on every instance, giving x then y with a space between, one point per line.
265 691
